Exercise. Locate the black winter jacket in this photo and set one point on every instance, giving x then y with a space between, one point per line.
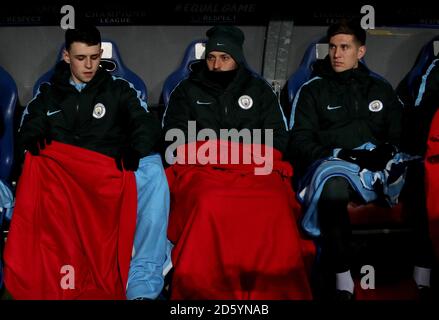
211 106
418 117
68 114
342 110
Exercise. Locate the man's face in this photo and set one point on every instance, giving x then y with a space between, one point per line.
84 61
345 52
220 61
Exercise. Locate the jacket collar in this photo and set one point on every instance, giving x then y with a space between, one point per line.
199 75
324 69
62 76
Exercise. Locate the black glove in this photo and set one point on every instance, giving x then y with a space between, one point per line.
359 157
374 160
35 143
384 152
128 158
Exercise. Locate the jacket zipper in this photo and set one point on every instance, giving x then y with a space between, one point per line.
77 118
356 112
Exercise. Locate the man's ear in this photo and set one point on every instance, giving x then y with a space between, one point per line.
361 52
66 56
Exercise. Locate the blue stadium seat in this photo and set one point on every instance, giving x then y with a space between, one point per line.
194 52
111 61
314 52
8 101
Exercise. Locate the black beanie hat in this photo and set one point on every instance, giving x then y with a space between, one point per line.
227 39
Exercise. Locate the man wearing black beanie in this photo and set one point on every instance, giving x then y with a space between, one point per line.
234 232
237 98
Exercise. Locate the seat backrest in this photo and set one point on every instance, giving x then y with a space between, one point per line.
8 101
409 85
194 52
316 50
111 61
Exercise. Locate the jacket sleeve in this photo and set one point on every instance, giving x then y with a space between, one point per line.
428 93
144 127
176 116
304 148
394 118
34 119
274 119
427 101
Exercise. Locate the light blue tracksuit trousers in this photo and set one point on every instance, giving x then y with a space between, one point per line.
7 203
151 250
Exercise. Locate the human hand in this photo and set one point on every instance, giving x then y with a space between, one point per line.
128 159
374 160
35 143
384 152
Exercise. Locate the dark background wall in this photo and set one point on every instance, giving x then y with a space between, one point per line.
152 52
152 39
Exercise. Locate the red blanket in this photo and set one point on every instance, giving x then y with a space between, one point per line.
72 229
432 181
235 232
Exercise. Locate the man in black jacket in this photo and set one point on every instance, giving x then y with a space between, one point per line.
342 108
85 106
222 93
425 105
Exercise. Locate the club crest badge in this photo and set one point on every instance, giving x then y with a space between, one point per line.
99 110
376 106
245 102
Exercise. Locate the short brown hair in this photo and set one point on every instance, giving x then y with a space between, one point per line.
85 33
351 27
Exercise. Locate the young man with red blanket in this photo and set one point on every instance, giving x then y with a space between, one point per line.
234 230
71 234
